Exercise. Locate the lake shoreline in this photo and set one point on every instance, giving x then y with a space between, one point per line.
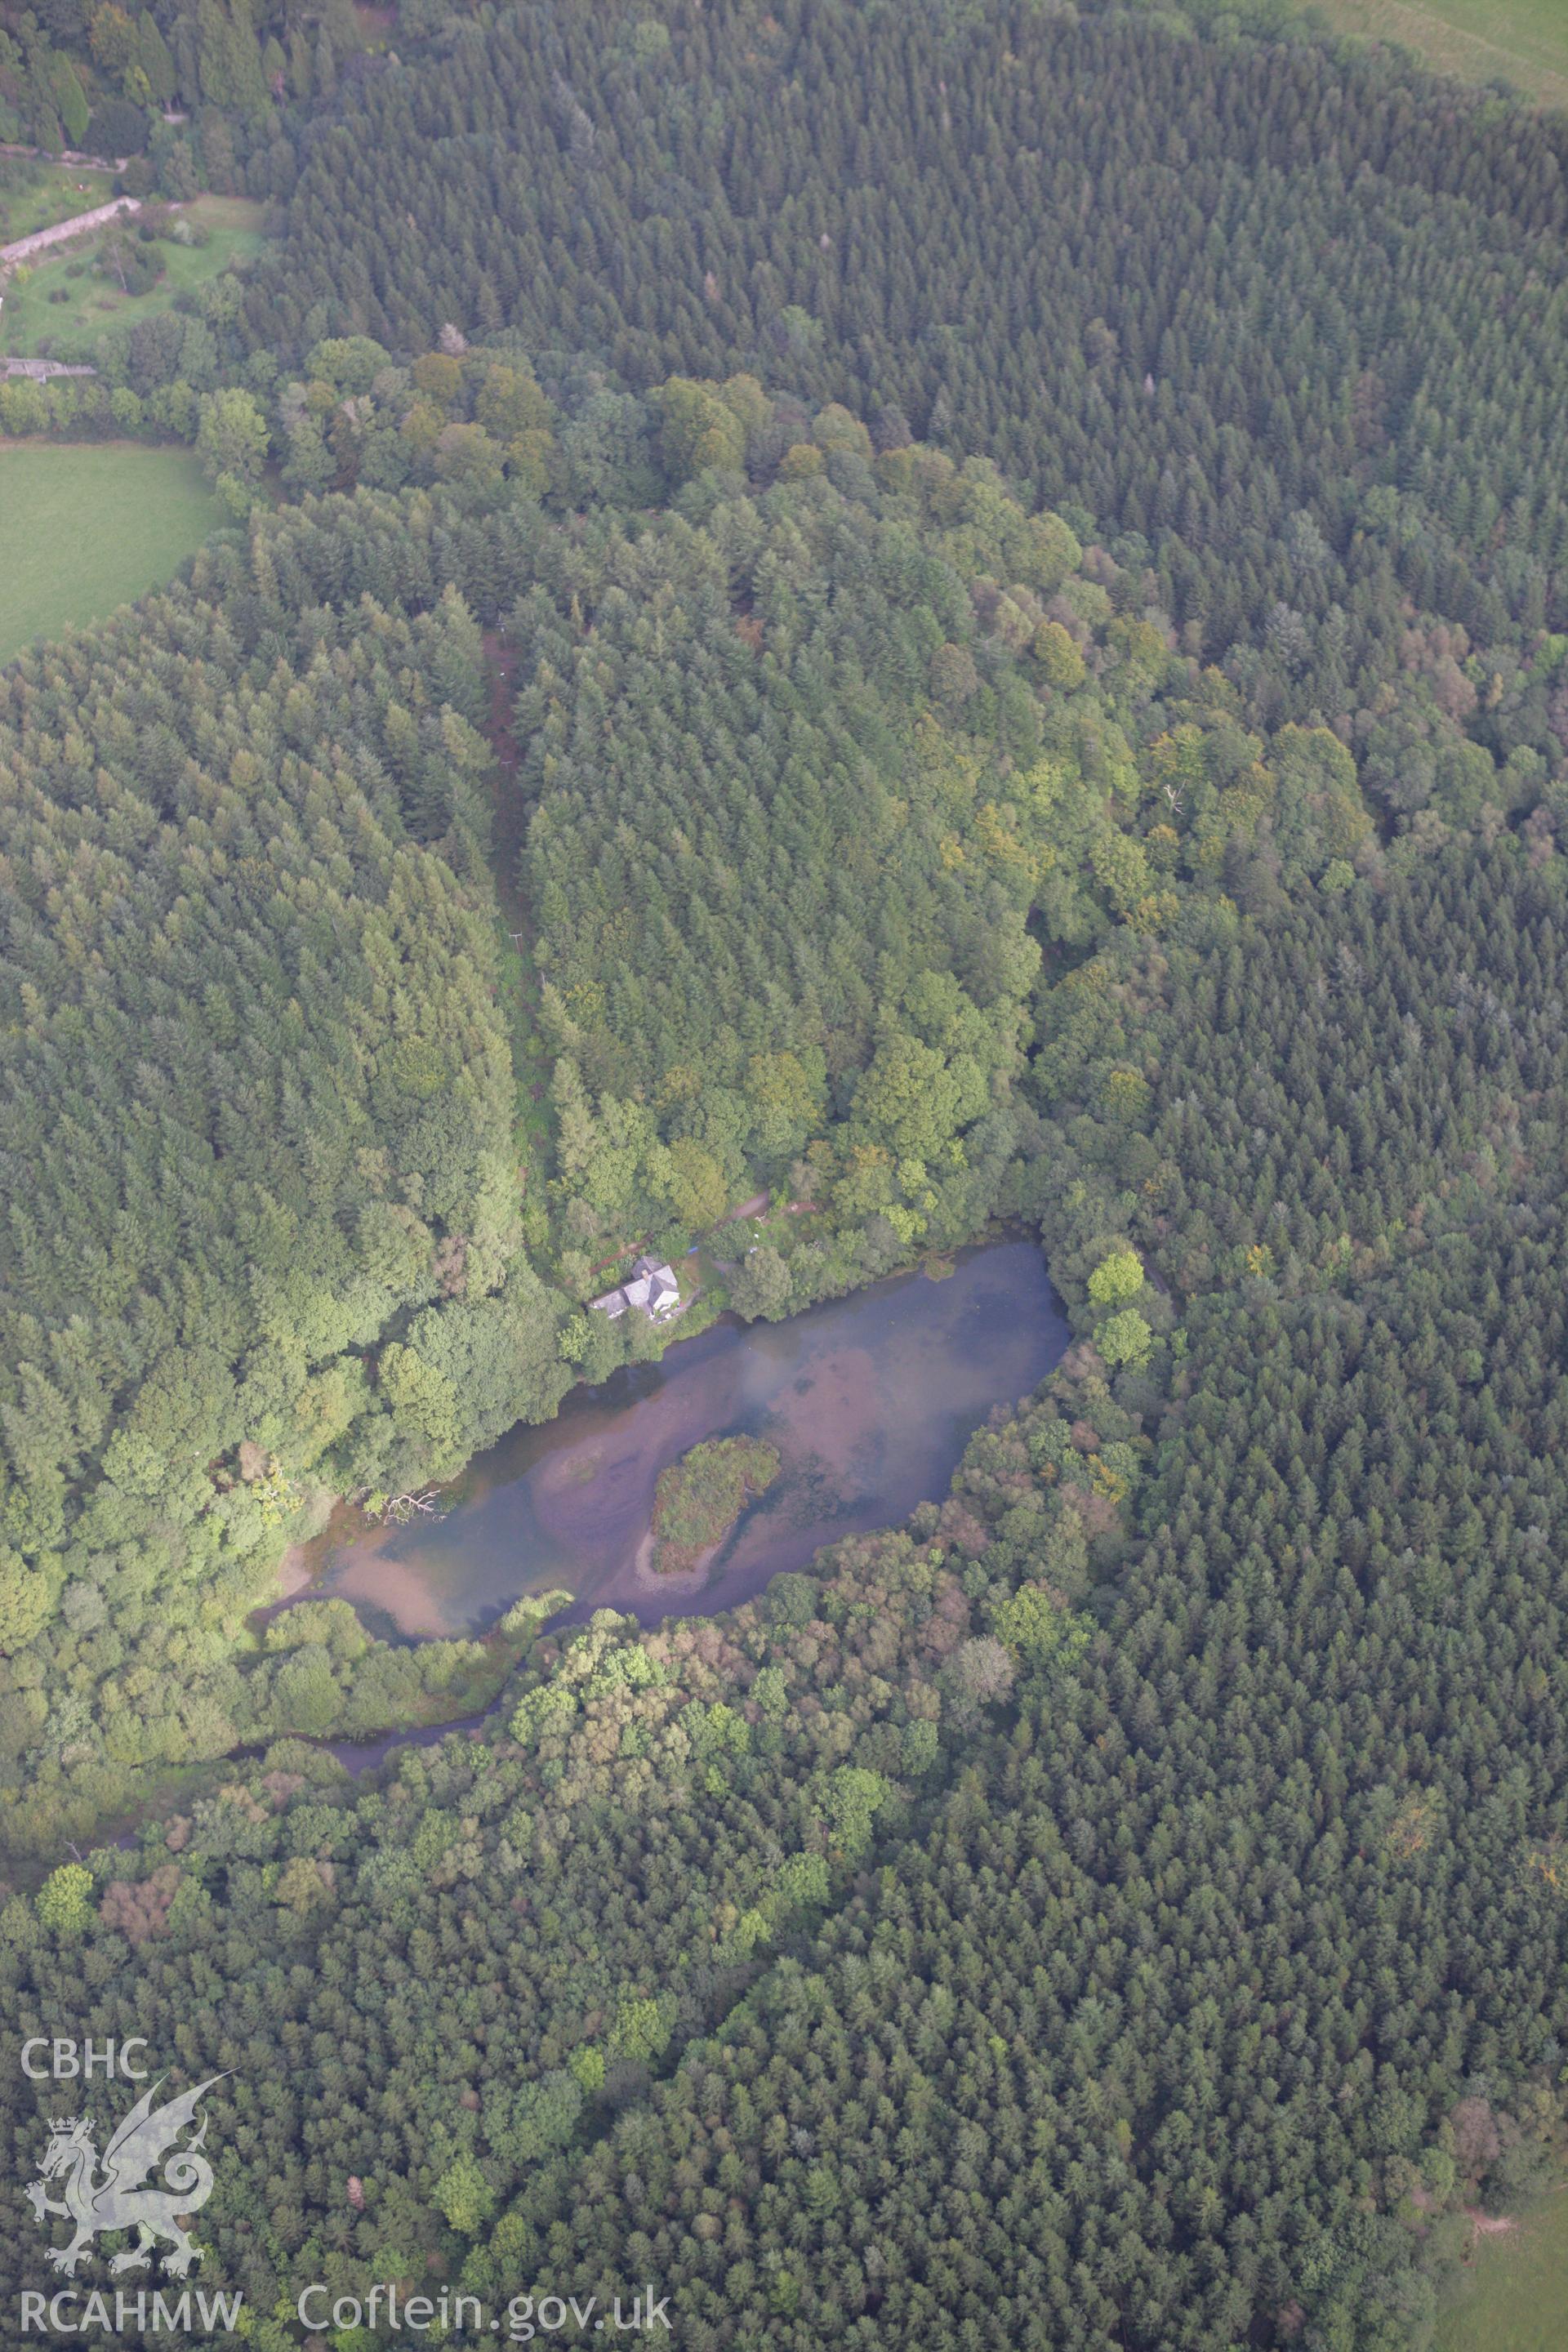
970 1337
868 1401
301 1571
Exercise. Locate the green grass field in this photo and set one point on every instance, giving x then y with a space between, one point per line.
35 195
1524 41
86 527
72 328
1517 2297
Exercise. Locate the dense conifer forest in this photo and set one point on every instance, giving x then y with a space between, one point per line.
967 1936
181 96
954 616
1326 377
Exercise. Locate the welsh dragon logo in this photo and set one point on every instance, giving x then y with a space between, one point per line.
112 2193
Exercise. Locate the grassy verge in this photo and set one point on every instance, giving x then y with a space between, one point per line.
88 526
1524 42
67 302
1516 2295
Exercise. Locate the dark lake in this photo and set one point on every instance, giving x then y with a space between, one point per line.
869 1401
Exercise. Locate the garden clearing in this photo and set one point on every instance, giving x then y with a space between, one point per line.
67 302
88 526
35 195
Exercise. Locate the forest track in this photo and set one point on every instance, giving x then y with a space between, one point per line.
509 834
510 816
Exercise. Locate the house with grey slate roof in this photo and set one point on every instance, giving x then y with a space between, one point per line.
652 1286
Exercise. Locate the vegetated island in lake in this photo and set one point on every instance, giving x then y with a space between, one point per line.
699 1498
